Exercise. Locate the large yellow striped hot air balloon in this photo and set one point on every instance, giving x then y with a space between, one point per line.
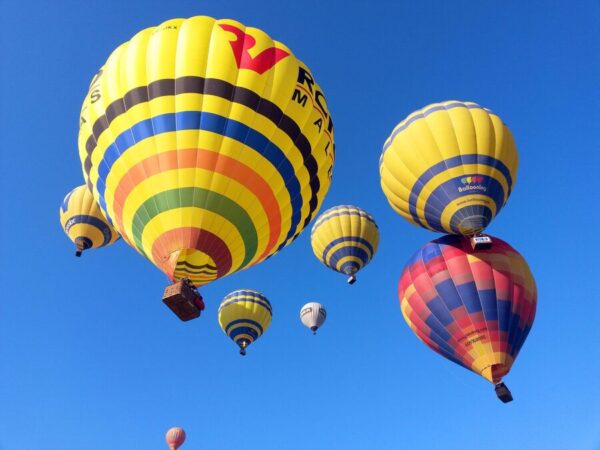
207 144
83 222
449 167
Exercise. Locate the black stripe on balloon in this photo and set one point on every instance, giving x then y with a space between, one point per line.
192 266
218 88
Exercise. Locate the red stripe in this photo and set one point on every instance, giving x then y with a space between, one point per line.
189 237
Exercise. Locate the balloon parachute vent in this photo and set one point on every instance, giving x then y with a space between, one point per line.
351 279
503 393
184 300
78 253
481 242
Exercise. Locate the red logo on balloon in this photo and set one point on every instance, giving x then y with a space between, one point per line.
241 46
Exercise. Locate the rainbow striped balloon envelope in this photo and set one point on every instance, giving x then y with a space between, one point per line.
475 308
208 145
449 167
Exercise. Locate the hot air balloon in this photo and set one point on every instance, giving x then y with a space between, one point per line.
208 145
83 221
449 167
244 315
175 438
474 307
313 316
345 239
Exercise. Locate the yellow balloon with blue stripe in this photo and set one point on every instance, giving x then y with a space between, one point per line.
449 167
244 315
83 221
208 145
345 239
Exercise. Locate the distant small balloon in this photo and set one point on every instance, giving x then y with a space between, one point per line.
313 316
175 438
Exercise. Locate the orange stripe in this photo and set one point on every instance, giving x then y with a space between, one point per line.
204 159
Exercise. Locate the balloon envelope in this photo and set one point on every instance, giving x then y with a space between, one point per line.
83 221
345 238
244 315
475 308
208 145
313 315
449 167
175 437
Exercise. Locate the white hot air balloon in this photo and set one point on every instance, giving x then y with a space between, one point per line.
313 315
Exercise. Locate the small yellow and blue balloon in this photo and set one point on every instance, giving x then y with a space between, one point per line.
244 315
175 438
449 167
83 221
345 239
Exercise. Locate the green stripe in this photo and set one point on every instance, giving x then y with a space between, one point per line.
197 198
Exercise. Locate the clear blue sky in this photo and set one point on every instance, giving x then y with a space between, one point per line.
91 359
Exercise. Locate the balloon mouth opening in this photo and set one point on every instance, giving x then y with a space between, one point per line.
190 263
472 225
494 373
314 329
83 243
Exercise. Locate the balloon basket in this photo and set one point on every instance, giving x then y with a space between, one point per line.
481 242
184 300
351 279
503 393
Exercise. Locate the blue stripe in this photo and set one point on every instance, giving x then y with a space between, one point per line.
242 321
347 251
346 239
424 113
439 309
226 303
430 251
354 211
447 291
438 329
246 331
470 296
247 293
448 192
489 304
504 315
449 163
94 222
194 120
65 203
